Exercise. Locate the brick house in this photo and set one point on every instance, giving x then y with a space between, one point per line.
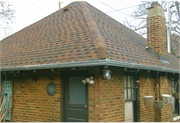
43 66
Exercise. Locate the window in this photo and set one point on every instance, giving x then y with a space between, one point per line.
130 89
131 107
174 100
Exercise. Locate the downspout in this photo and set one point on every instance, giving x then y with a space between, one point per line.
168 29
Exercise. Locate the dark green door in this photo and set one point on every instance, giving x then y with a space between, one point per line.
75 99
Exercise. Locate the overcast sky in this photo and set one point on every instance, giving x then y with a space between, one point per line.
29 12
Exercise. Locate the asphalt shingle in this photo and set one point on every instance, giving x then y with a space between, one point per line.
81 33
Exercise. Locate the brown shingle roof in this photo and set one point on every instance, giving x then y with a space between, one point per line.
81 33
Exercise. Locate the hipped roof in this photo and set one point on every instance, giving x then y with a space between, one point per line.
81 33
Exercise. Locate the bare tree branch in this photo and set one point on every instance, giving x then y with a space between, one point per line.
5 10
141 14
177 7
6 18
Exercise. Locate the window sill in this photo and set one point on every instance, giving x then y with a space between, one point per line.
176 118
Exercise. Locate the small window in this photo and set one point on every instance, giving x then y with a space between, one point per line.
130 89
174 100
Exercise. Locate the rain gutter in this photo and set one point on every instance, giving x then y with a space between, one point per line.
90 63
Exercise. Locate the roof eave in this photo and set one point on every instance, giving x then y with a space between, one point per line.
90 63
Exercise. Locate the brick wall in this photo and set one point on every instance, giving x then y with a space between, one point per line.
94 96
106 97
157 111
147 113
31 103
166 112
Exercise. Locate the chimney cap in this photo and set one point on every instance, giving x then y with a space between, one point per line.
155 4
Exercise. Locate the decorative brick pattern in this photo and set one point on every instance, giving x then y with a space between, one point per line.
31 103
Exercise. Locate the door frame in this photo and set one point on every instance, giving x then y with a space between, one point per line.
65 74
136 107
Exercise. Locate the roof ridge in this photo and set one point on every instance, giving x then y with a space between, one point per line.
98 40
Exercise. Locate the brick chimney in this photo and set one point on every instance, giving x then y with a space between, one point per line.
156 29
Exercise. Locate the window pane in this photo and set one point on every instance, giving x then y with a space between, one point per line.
125 81
172 89
129 94
130 90
129 81
134 93
76 90
125 92
129 116
173 102
132 81
176 88
178 85
173 85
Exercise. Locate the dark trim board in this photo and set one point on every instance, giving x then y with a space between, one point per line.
91 63
137 108
62 99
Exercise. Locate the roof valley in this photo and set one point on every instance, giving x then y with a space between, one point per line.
98 40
